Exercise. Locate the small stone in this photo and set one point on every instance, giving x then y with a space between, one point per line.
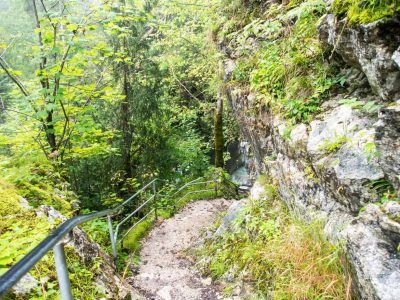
25 285
24 203
206 281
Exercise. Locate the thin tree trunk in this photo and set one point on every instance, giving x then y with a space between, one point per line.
48 125
218 134
125 125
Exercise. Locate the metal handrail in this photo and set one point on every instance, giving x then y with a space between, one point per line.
56 239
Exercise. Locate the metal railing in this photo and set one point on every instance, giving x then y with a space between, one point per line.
62 234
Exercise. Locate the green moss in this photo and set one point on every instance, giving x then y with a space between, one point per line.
20 231
9 204
40 182
132 240
43 194
332 145
365 11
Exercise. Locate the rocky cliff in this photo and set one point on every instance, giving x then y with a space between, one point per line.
343 164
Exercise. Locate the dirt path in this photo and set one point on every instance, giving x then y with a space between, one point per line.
164 273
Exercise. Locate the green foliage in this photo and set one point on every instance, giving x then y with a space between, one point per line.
82 275
384 189
369 107
98 232
365 11
334 144
370 150
20 229
280 256
287 70
311 174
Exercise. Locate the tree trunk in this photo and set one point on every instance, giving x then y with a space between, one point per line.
49 129
218 134
125 125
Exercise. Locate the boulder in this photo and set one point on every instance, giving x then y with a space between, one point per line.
371 48
227 221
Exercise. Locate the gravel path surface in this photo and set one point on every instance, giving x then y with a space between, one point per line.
164 272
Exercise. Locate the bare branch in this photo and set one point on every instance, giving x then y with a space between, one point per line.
15 79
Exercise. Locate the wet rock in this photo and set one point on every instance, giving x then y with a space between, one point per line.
372 48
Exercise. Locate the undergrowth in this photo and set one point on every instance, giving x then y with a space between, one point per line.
280 256
21 229
365 11
287 69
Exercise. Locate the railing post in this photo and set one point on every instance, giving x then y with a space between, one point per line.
62 272
155 200
112 238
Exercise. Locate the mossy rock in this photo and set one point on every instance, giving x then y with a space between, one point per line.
10 200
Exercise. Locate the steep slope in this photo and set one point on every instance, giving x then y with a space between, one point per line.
317 98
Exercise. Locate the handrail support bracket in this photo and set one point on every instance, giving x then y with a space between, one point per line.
62 272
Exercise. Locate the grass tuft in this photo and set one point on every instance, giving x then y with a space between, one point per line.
280 256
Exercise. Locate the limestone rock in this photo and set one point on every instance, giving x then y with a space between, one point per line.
372 48
388 143
232 214
374 261
25 285
336 184
257 191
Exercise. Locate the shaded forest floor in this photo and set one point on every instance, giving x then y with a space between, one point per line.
165 272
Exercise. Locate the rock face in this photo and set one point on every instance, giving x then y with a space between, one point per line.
336 186
337 166
372 48
388 142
